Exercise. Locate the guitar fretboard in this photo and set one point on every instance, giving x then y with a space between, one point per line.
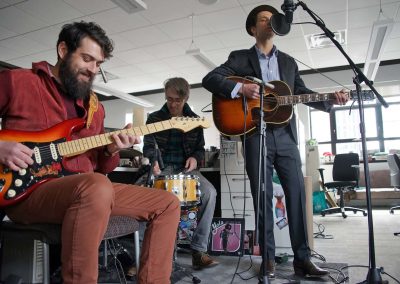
304 98
78 146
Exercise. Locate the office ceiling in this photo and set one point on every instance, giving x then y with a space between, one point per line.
150 45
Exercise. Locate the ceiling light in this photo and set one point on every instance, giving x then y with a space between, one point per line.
131 6
381 30
208 2
107 91
321 40
105 76
201 57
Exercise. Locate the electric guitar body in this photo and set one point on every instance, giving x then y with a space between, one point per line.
52 146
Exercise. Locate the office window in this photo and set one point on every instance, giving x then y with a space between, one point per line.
320 121
392 145
340 130
348 123
391 120
355 147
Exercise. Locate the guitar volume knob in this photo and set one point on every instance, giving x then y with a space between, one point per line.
11 193
22 172
18 182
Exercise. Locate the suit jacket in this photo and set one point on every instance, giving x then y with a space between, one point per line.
245 63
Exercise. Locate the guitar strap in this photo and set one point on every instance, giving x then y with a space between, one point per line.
93 107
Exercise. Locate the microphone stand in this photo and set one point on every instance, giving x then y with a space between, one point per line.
156 157
262 177
374 273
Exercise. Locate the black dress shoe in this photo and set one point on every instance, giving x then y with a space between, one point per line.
270 270
308 268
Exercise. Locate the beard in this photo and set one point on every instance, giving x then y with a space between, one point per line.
69 78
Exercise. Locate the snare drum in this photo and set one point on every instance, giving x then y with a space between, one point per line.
185 187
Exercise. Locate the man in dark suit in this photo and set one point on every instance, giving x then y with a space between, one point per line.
266 62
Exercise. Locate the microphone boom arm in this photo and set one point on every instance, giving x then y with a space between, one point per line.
360 76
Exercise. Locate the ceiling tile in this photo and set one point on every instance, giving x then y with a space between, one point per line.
7 53
4 33
224 20
116 20
127 71
165 50
136 56
87 7
24 45
156 12
46 36
50 14
145 36
11 19
182 28
205 43
178 62
234 38
152 67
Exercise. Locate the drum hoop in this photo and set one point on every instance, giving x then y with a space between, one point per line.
159 177
191 177
174 177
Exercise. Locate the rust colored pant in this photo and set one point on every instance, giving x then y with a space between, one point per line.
83 204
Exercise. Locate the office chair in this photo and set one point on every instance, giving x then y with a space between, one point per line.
394 166
345 174
22 240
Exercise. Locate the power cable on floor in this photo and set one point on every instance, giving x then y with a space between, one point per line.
320 234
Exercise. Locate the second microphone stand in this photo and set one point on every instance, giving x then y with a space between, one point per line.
262 181
374 273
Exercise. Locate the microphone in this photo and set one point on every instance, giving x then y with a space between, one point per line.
259 81
288 8
280 23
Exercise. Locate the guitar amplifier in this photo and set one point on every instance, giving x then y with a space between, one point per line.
24 259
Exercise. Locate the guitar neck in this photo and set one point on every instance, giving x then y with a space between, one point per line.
78 146
304 98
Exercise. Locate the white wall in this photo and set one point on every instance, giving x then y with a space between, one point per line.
116 111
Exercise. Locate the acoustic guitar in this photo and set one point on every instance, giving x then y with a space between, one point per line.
53 145
234 117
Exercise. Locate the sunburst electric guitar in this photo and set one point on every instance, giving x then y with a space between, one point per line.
234 117
53 145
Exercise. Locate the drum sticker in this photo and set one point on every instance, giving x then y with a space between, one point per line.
187 224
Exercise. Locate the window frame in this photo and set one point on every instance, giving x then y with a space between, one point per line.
379 125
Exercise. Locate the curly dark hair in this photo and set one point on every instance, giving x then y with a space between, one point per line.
72 34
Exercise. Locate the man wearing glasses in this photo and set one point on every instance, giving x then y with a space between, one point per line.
183 153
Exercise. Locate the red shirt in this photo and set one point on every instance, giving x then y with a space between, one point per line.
31 101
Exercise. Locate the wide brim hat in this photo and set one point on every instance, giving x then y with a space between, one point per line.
251 18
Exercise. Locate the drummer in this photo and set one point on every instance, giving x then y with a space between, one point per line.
183 153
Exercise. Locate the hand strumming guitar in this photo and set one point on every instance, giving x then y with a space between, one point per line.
15 155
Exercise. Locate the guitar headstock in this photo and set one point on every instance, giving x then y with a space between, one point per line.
188 123
366 95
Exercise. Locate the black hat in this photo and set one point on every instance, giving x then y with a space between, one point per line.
252 17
